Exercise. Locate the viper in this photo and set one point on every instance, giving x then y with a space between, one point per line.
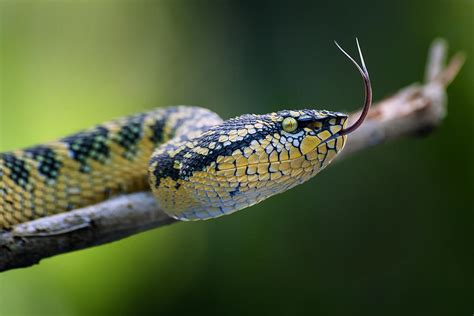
197 165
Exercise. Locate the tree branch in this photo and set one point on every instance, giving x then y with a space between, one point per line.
414 110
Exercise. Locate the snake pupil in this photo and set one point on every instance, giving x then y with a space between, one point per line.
289 124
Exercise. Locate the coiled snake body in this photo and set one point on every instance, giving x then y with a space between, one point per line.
201 167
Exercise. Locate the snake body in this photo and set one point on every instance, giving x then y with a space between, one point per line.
200 166
197 165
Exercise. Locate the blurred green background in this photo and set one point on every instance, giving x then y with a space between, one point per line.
386 232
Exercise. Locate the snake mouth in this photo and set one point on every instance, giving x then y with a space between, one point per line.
335 136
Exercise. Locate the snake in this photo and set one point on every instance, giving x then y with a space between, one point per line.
197 165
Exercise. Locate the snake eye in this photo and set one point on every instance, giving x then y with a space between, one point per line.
289 124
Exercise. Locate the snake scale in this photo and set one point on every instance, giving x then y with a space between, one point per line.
201 167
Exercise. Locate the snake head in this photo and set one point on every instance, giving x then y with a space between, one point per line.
245 160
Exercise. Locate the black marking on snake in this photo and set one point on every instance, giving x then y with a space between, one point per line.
157 129
130 134
89 144
199 162
235 191
48 164
18 172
